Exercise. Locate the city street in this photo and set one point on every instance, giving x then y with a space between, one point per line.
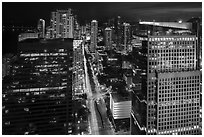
90 104
99 122
105 127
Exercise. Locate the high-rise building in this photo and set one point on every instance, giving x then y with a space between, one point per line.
126 35
94 35
41 28
173 91
77 31
62 24
37 95
108 38
172 97
118 31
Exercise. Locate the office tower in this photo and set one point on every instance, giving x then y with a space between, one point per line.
94 35
62 24
126 35
173 83
41 28
173 94
37 96
77 31
108 38
118 30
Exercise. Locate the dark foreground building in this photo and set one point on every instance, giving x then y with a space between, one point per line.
37 96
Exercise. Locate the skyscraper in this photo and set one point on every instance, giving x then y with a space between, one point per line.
62 24
173 85
172 97
126 35
41 28
37 96
108 38
94 34
118 28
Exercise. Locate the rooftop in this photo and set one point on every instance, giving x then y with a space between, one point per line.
37 44
120 98
179 25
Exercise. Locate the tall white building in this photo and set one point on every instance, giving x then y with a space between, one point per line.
62 24
94 33
108 38
126 35
41 28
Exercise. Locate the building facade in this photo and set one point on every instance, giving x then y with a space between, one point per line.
173 86
37 95
108 38
27 35
120 106
94 35
62 24
118 31
41 28
171 93
126 36
78 83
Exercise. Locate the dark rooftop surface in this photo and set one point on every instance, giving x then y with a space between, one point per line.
38 44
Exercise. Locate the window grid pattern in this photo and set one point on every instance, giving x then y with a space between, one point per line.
178 104
169 55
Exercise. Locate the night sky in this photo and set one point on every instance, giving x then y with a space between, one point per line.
29 13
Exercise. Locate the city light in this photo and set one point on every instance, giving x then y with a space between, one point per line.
93 69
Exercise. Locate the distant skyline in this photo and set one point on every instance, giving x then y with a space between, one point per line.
28 13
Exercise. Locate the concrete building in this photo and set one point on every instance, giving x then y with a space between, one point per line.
173 76
94 35
108 38
172 99
118 28
41 28
126 36
62 24
120 106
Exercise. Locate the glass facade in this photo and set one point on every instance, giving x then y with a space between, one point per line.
173 90
37 96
